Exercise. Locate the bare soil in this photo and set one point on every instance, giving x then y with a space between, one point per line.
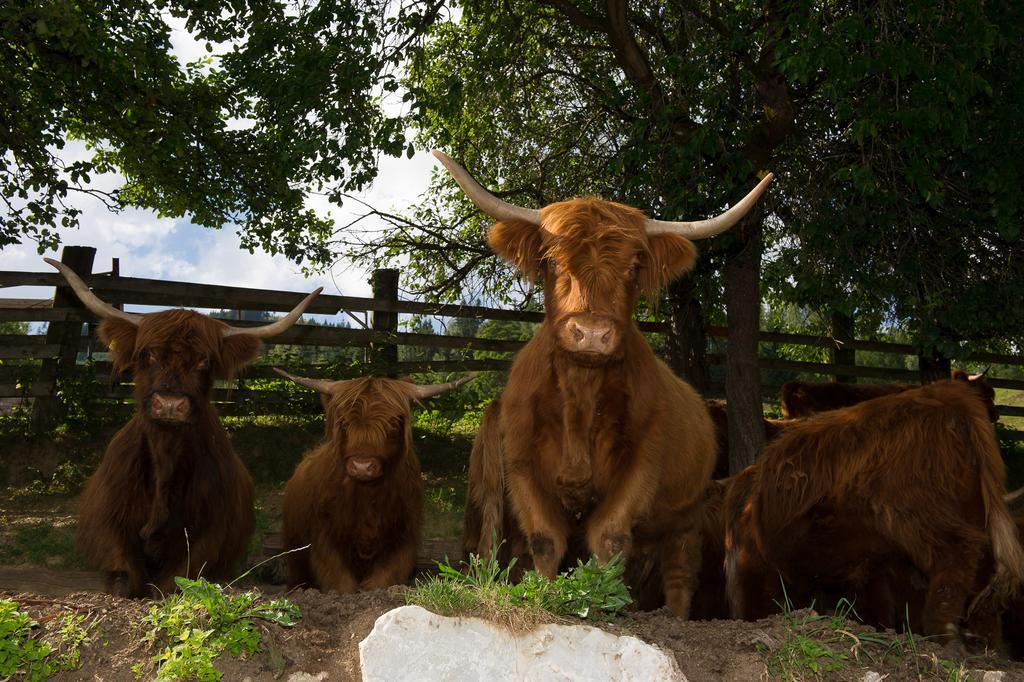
325 643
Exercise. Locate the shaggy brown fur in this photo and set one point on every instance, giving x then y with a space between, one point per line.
720 416
913 476
169 500
357 498
611 445
488 520
804 398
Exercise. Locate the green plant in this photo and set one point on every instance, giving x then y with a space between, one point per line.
40 544
201 621
588 591
30 657
20 653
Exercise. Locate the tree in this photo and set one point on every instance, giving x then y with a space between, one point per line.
547 100
907 207
872 114
294 107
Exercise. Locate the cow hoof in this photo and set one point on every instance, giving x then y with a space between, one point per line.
120 585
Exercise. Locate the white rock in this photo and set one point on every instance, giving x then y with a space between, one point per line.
871 676
307 677
411 643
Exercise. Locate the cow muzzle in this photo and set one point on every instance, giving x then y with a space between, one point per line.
364 468
169 408
590 336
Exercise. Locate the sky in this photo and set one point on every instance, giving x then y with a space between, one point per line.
175 249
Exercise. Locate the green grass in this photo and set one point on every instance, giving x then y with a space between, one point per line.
815 644
42 544
24 654
194 626
588 592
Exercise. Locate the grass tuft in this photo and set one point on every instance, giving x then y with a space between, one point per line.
24 655
200 622
587 592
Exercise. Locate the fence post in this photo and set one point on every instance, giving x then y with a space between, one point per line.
842 331
47 410
384 355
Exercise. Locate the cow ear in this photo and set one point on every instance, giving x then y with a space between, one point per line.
518 242
668 257
236 351
119 336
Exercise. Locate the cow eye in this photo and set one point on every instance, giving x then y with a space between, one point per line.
634 270
555 267
203 365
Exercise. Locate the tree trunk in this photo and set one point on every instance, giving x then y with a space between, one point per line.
933 366
687 337
743 374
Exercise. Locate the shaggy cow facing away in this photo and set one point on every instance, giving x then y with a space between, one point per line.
170 498
840 498
598 436
357 498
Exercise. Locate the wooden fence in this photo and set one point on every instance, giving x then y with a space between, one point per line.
32 365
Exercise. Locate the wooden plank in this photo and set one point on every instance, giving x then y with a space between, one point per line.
44 315
22 339
48 582
36 352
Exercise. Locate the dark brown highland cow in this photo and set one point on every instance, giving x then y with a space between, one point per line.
804 398
858 499
170 498
598 437
357 498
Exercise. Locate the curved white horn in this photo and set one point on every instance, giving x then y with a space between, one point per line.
1013 496
702 229
91 301
484 200
275 328
430 390
321 385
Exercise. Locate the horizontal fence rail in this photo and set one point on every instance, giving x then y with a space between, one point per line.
65 342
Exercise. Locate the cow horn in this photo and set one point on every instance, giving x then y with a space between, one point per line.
702 229
430 390
484 200
321 385
275 328
91 301
1013 496
979 375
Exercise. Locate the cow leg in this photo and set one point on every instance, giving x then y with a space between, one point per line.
680 566
949 587
542 520
330 569
393 570
610 527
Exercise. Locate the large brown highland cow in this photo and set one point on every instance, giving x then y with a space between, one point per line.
170 498
598 437
357 498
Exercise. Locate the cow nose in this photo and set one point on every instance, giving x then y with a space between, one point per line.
591 336
169 408
363 468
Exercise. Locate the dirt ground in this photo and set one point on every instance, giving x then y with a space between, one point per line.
324 644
